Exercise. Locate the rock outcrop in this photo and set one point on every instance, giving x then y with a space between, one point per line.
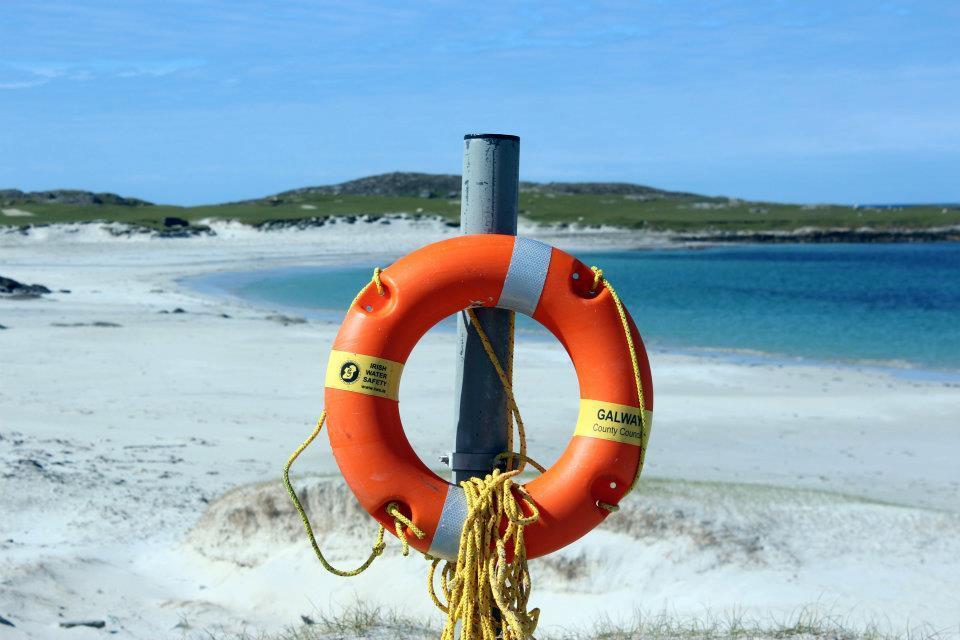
400 184
9 286
75 197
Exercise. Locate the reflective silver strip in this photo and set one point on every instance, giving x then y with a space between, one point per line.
446 540
526 275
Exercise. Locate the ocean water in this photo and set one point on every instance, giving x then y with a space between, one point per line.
884 304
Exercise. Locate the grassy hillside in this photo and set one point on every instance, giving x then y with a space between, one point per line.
632 206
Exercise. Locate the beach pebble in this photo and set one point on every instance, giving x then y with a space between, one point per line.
93 624
98 323
287 320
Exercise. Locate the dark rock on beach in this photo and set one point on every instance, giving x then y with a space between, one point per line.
93 624
171 230
173 221
826 236
287 320
185 230
98 323
320 221
292 223
10 286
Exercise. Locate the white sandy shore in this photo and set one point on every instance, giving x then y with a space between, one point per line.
772 487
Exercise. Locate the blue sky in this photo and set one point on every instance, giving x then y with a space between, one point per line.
192 101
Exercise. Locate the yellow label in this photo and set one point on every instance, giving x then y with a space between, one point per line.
363 374
616 422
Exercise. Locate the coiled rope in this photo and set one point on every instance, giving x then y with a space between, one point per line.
487 588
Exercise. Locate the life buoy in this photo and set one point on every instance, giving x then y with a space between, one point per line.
380 330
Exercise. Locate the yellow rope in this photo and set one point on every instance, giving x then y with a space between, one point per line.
399 519
378 546
505 380
486 590
375 280
486 593
597 278
507 455
631 348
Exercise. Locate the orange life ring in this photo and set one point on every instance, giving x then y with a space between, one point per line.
381 329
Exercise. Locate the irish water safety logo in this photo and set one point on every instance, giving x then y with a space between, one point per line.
361 373
349 372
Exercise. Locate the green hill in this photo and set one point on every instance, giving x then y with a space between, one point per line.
587 203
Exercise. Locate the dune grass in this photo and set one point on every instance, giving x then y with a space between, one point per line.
366 622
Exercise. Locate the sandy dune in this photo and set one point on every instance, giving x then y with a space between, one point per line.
140 453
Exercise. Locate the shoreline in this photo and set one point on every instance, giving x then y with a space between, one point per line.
223 285
212 227
133 447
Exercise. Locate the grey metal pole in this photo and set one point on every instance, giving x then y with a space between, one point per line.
488 204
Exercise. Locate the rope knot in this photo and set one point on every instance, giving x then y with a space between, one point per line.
376 280
597 278
399 521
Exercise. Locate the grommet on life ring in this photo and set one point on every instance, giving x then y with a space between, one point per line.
380 330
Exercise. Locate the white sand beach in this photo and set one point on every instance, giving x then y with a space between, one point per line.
140 455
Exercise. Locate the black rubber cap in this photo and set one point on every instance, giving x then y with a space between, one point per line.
493 136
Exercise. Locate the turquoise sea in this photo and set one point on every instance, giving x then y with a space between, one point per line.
882 304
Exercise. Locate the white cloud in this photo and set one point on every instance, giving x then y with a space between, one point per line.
22 84
38 74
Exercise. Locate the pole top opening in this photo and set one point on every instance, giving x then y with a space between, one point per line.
492 136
